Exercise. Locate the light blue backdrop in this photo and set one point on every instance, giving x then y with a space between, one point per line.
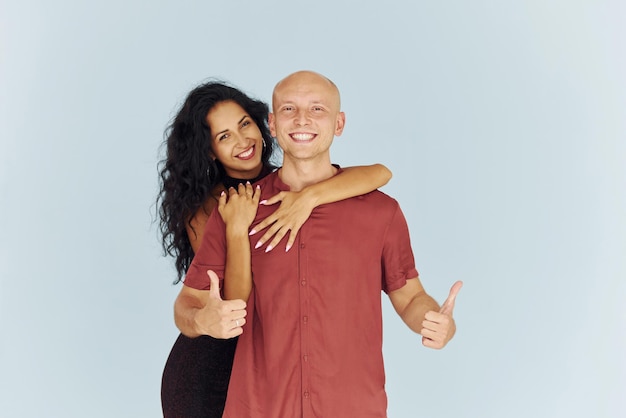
504 124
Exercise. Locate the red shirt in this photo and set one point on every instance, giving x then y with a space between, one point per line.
312 344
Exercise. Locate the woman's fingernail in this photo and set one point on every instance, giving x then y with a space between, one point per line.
252 232
258 244
268 249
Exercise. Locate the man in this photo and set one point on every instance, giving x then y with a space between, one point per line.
312 342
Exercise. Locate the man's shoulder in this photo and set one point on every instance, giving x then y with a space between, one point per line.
377 196
373 202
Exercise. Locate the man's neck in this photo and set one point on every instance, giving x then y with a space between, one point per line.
302 173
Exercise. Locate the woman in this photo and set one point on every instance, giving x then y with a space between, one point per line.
218 141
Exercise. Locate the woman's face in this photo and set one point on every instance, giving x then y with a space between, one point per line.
236 140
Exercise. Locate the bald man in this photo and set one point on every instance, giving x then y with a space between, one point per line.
312 341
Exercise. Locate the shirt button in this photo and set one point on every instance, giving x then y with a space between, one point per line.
305 357
301 245
306 394
303 282
305 319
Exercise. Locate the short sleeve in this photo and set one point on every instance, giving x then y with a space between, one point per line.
398 262
210 256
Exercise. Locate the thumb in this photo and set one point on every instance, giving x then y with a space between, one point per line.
448 305
274 199
214 290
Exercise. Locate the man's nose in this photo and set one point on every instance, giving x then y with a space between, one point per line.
302 118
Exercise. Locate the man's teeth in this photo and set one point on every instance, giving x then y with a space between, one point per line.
302 137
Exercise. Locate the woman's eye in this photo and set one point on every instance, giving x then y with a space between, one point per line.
245 123
222 137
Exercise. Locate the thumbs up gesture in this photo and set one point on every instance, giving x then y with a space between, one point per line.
220 318
438 327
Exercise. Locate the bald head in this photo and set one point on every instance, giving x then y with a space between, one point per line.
305 118
302 82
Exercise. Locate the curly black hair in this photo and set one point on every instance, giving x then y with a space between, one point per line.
187 173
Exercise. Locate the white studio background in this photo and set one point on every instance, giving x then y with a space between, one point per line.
504 124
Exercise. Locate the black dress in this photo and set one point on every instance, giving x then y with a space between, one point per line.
195 378
197 371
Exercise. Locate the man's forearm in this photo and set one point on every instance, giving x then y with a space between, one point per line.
414 313
185 310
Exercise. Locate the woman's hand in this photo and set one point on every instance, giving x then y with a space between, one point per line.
295 208
239 210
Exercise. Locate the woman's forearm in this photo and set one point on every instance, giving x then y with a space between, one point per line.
352 181
237 273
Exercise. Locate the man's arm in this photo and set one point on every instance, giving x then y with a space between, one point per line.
203 312
424 315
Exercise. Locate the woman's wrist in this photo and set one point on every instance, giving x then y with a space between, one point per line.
311 196
235 230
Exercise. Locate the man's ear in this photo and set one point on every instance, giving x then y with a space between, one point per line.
341 122
272 124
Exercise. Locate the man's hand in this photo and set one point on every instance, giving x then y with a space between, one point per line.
438 327
220 318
